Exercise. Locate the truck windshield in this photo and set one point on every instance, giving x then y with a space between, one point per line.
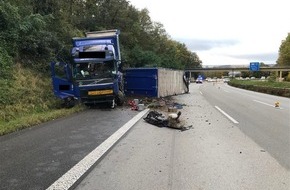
94 70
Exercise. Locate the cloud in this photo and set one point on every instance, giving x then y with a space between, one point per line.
228 51
204 44
260 57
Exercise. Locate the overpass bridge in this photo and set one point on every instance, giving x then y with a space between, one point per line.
278 69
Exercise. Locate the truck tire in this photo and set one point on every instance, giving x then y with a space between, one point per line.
69 102
120 98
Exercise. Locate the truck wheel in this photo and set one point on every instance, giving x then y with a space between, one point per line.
69 102
120 98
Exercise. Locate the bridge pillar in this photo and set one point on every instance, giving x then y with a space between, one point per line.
279 76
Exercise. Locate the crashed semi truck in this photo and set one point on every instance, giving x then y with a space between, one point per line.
94 74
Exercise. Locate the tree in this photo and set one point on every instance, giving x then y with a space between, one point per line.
9 26
284 52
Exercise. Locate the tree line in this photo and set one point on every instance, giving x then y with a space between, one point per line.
35 32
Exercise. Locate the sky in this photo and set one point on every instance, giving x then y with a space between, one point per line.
224 32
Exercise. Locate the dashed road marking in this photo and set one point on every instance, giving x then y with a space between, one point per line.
227 115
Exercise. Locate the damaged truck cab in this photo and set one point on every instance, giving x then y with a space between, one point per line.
94 74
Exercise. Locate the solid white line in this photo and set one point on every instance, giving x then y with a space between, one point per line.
69 178
227 115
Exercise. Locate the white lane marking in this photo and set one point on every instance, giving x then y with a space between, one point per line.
227 91
69 178
200 92
267 104
227 115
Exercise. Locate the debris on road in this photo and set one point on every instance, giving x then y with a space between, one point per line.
163 104
133 105
159 120
172 109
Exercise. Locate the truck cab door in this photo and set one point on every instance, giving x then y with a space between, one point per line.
61 80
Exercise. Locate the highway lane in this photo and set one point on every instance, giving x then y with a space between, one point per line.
255 114
36 157
213 154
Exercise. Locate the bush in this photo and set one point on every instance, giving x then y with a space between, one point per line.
5 64
5 78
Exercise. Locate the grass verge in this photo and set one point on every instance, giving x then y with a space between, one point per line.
268 87
27 99
33 119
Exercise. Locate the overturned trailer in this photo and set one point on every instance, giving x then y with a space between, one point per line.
155 82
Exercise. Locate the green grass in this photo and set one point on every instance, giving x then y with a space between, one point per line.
28 100
268 87
263 83
33 119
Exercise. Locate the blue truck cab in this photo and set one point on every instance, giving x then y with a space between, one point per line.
94 74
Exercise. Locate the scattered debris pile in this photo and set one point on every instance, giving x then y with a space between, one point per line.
164 104
172 121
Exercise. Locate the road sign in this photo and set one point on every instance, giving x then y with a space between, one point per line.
254 66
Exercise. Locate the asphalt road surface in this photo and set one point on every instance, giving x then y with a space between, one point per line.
36 157
256 115
215 153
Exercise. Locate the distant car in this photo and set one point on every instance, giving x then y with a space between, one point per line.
208 79
198 81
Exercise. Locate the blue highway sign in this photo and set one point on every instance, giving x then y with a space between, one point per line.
254 66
